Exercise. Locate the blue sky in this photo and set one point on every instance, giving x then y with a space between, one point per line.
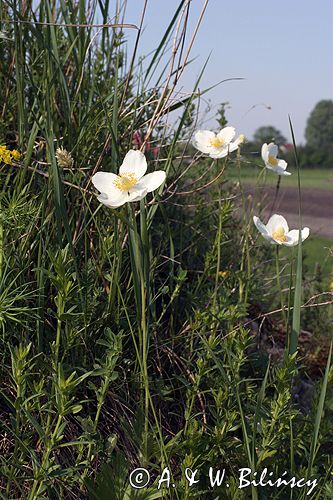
283 50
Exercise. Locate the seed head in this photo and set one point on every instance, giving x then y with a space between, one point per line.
64 158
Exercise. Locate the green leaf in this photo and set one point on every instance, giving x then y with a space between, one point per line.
319 413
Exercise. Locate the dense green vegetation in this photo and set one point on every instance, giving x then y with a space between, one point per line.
319 127
142 336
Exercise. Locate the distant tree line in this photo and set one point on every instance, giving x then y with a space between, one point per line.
318 149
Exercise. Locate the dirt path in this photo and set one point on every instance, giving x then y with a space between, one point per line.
317 207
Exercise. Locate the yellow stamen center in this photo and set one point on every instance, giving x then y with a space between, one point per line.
216 142
272 161
279 234
126 181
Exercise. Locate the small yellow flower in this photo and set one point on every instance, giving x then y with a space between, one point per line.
331 286
16 155
223 274
7 156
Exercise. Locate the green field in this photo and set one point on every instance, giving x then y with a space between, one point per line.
316 251
310 178
316 248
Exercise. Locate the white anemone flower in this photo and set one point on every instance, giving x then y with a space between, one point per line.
269 154
131 184
276 231
217 145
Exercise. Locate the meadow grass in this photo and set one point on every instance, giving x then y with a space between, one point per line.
143 335
318 257
320 178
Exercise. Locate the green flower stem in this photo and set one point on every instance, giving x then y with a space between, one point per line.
218 258
245 264
289 300
277 188
279 286
140 269
296 323
145 287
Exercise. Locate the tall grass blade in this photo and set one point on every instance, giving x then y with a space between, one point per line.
296 323
260 399
319 413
